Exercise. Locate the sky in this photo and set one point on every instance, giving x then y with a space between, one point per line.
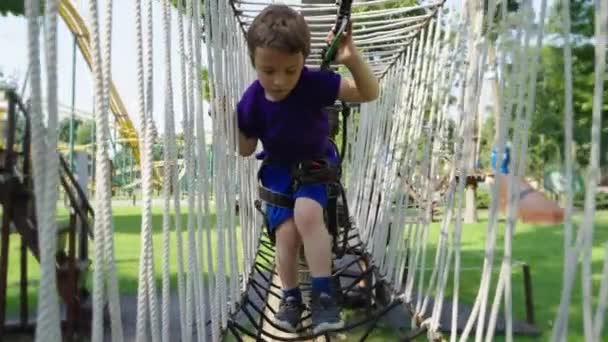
13 60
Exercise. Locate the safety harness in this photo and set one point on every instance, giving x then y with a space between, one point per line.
314 171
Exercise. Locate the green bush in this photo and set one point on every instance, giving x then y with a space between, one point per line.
484 198
601 200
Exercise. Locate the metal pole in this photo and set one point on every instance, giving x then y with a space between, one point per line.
73 114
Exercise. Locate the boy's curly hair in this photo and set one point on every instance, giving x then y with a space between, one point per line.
279 27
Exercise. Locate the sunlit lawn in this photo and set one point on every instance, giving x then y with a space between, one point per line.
539 246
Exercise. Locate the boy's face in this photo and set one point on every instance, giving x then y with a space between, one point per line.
278 71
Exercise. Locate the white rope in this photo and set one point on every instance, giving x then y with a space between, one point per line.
45 178
421 174
212 19
503 123
448 64
380 195
219 171
187 310
568 140
410 159
372 30
427 164
32 11
505 276
356 16
382 242
195 215
192 288
110 267
202 176
186 328
458 162
170 166
147 312
470 106
389 252
98 283
232 168
395 241
593 178
104 264
142 308
148 185
500 140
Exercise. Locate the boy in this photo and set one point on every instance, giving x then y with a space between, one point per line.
283 109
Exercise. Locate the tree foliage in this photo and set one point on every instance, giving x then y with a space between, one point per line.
547 129
64 129
84 133
14 7
389 5
546 138
206 91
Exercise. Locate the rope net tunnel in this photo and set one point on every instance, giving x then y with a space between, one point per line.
417 137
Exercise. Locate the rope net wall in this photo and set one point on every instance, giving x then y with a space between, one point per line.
417 136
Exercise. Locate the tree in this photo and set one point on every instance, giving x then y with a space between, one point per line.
64 129
547 129
15 7
206 90
84 134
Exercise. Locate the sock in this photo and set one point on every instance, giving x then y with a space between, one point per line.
321 285
295 293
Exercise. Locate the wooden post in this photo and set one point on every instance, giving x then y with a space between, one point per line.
24 309
4 265
528 294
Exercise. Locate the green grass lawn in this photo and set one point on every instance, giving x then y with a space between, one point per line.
539 246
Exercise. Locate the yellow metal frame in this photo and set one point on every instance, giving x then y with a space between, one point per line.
73 19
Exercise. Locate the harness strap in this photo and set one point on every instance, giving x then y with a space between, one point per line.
275 198
314 172
318 171
306 172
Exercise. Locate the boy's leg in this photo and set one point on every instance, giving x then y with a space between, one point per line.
280 223
287 242
309 221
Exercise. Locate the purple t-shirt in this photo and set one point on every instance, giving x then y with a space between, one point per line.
295 128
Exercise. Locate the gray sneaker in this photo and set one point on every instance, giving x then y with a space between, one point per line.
289 314
325 314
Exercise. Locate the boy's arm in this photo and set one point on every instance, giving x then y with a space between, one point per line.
244 115
246 145
363 87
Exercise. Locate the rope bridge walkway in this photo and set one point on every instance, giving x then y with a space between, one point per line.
418 137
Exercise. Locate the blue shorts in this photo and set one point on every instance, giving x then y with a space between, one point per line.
277 177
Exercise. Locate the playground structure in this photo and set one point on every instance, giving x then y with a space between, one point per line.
379 267
17 199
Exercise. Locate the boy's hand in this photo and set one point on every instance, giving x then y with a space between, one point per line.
347 50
